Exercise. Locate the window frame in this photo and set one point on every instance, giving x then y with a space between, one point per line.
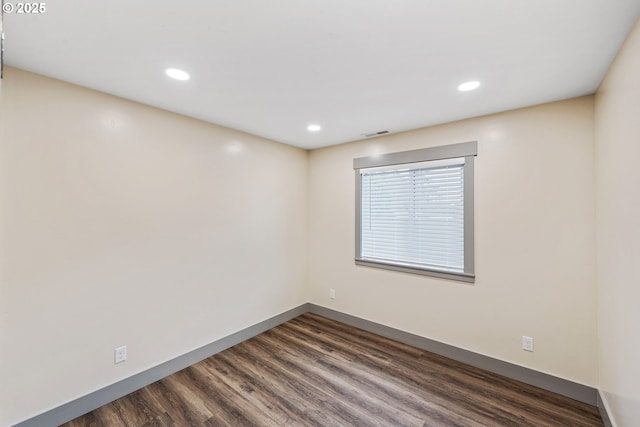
468 150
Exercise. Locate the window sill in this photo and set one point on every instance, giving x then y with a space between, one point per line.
460 277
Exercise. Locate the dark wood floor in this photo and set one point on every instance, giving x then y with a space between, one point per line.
312 371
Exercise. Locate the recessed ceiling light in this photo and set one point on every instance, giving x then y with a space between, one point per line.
174 73
313 128
467 86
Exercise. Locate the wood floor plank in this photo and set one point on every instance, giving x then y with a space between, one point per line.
235 392
310 403
356 377
170 400
457 379
163 420
313 371
405 367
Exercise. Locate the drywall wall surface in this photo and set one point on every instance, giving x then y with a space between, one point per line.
127 225
534 242
617 134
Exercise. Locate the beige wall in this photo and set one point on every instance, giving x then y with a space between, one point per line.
126 225
617 128
535 249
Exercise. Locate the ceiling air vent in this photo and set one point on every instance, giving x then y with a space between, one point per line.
382 132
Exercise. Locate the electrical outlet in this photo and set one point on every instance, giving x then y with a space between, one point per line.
120 354
332 293
527 343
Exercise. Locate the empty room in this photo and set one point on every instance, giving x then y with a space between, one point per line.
336 213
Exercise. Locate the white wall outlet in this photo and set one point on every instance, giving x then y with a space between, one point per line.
527 343
332 293
120 354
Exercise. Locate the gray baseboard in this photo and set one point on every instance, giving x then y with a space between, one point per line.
91 401
561 386
603 412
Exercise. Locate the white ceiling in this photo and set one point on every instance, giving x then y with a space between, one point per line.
271 67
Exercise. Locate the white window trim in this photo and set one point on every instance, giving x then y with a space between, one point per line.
468 150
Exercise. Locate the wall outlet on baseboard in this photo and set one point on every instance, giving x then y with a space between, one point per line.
332 293
120 354
527 343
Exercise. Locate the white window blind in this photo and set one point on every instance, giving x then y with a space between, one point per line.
413 215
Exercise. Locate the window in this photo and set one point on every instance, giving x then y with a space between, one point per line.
414 211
